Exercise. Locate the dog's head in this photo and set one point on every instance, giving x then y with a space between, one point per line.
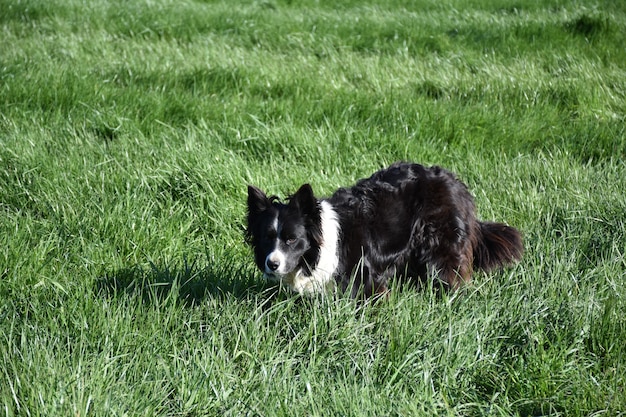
286 238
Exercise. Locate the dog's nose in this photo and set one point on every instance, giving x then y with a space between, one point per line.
272 265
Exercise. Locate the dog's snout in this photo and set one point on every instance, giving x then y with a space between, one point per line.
275 263
272 265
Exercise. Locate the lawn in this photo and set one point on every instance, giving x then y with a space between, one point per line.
130 129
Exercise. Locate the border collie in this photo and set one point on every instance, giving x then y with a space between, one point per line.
406 221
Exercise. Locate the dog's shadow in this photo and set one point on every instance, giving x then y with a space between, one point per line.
184 281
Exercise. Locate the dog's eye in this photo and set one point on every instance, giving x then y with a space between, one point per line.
290 241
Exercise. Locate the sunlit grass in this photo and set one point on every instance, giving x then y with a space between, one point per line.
128 133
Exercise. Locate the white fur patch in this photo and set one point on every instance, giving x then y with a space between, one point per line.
321 279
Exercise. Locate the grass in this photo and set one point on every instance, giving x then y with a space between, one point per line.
128 133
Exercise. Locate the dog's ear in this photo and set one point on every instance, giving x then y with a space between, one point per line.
307 205
304 198
257 200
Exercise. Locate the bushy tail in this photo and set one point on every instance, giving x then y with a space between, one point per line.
498 245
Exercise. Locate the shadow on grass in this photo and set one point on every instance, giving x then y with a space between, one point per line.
185 282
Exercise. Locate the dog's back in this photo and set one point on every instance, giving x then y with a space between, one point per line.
415 223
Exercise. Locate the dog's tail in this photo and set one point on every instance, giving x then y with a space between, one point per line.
498 245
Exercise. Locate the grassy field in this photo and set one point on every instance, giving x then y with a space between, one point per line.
128 133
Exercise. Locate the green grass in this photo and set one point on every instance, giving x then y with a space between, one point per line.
128 133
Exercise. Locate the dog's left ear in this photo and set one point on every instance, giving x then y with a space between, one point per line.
305 202
304 198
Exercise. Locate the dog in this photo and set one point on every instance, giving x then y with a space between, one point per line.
407 221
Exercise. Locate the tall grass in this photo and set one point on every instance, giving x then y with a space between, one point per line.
129 130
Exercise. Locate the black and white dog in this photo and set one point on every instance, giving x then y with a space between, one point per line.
406 221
